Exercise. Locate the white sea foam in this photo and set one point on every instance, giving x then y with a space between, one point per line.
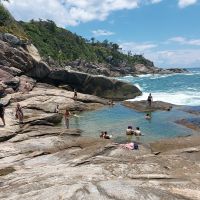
138 86
178 98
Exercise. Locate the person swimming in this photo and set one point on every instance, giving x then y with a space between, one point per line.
129 130
147 116
137 132
105 135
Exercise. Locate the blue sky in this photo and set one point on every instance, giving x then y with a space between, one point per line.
165 31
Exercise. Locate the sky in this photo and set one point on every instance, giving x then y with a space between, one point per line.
164 31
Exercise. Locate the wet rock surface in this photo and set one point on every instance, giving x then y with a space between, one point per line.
143 106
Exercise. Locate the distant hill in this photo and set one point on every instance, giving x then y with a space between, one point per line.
64 46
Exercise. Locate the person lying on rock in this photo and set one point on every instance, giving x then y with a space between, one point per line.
2 112
19 114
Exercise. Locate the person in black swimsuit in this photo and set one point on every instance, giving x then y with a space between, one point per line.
149 99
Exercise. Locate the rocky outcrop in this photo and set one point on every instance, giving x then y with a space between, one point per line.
96 85
48 162
120 70
17 61
142 106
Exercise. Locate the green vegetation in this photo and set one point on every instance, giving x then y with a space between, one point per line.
9 25
63 45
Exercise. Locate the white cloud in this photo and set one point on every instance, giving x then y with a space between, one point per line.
70 12
137 48
176 58
155 1
102 32
185 41
185 3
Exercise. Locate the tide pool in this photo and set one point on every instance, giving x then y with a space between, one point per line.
116 119
179 89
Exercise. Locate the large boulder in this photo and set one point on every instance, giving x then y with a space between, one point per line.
39 71
96 85
11 39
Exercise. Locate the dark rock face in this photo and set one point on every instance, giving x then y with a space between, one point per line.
177 70
96 85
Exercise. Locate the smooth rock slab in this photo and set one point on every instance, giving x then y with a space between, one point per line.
142 106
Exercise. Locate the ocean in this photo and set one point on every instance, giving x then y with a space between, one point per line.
179 89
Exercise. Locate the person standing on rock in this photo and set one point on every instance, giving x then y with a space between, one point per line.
56 109
149 99
75 95
2 112
66 116
19 114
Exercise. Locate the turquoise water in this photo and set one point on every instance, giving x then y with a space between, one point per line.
182 89
179 89
116 119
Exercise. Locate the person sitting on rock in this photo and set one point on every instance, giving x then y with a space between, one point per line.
111 103
137 132
149 99
75 95
66 116
2 112
105 135
19 114
27 86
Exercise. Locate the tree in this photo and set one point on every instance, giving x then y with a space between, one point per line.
92 40
115 46
105 43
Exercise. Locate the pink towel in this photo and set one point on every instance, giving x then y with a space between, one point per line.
129 146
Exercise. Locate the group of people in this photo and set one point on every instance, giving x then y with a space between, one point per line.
131 131
105 135
20 115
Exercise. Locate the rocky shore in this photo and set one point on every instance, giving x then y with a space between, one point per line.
40 160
